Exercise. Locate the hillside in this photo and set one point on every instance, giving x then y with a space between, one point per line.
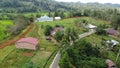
30 5
48 5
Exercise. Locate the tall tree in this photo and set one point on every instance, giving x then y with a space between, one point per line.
65 61
59 35
48 30
115 19
20 22
70 36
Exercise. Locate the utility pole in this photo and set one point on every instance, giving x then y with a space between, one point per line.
118 55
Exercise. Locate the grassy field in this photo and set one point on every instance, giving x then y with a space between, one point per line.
5 26
71 22
10 57
5 23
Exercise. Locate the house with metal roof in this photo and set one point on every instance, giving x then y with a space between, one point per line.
57 18
27 43
90 26
112 42
110 64
111 31
44 19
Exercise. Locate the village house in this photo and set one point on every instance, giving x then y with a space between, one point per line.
44 19
111 31
27 43
57 18
110 64
113 43
90 26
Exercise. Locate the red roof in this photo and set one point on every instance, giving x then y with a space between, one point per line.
29 40
111 31
56 29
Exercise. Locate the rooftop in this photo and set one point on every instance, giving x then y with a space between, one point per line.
112 31
29 40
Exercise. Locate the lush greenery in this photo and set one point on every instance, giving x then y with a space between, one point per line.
48 30
100 30
5 29
13 6
59 35
82 54
8 53
89 53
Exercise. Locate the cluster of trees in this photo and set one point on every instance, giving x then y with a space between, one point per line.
67 37
100 30
12 6
20 23
48 30
59 13
6 16
59 35
82 55
30 6
115 19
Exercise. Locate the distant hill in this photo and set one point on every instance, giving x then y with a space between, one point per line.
49 5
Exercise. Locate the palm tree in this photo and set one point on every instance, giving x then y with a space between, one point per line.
69 37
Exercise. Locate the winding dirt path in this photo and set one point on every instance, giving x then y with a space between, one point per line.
13 40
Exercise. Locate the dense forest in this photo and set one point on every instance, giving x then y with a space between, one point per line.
13 6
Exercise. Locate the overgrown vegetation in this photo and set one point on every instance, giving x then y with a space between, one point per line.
5 27
82 54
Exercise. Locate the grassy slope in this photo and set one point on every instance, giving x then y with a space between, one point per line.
10 57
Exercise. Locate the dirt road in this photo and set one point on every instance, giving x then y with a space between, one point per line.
13 40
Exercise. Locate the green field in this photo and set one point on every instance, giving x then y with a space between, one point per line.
10 57
5 23
4 29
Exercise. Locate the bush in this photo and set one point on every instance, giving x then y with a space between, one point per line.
100 30
48 30
59 35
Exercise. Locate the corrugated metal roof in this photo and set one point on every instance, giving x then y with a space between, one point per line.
29 40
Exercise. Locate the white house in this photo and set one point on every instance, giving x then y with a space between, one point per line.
110 64
112 42
57 18
90 26
44 19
